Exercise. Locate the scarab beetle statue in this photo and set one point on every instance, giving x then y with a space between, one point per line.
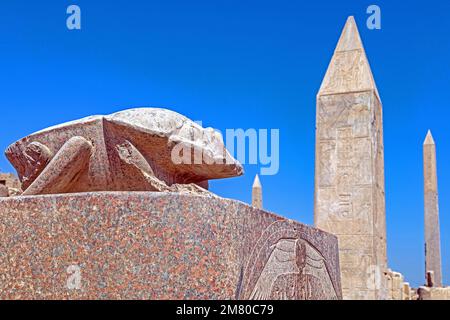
143 149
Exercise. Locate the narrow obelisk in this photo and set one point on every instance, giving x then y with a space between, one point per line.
257 193
349 198
432 231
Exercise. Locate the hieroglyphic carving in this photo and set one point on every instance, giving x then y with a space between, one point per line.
328 172
344 160
284 266
351 201
346 72
345 171
360 118
349 70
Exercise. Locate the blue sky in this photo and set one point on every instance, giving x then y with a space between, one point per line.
241 64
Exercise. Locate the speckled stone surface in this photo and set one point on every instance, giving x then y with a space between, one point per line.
146 245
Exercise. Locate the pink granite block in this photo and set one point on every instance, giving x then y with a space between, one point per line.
148 245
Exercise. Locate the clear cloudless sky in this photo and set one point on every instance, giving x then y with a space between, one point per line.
241 64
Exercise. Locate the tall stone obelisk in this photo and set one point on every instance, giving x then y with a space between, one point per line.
257 193
432 232
349 168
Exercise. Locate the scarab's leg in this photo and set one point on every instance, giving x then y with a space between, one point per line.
37 157
62 170
134 164
31 162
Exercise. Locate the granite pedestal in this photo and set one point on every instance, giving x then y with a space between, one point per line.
149 245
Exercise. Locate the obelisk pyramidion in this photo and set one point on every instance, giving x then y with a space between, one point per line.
432 232
257 193
349 168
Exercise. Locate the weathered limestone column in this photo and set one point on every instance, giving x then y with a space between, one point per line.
432 232
257 193
349 168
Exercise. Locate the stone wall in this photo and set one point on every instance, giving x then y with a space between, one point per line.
9 180
9 185
397 288
427 293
